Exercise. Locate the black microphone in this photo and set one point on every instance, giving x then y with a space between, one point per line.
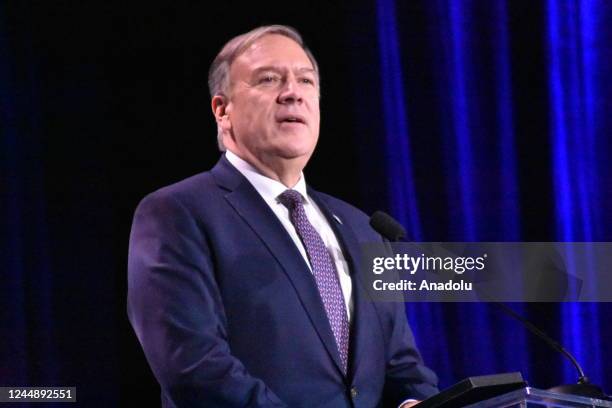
584 387
389 228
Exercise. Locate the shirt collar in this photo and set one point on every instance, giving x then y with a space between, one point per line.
268 188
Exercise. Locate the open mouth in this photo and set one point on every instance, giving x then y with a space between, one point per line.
292 119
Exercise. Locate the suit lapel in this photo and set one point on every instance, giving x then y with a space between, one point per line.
245 200
363 311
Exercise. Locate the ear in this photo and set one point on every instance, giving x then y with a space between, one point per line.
221 108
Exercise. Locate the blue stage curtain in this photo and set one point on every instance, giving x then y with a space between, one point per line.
496 123
580 52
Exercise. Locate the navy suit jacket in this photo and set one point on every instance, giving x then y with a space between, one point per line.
229 315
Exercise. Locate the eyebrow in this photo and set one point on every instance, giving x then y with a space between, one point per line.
279 69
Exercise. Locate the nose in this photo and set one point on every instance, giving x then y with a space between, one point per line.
290 92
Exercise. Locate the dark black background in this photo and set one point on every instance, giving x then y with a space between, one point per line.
122 108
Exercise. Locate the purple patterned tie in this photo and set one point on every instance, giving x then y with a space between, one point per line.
323 269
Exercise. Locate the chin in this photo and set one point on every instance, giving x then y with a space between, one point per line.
295 147
295 154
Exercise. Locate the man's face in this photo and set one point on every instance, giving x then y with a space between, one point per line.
273 106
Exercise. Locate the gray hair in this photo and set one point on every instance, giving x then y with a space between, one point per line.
218 74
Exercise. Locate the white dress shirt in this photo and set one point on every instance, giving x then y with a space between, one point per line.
269 190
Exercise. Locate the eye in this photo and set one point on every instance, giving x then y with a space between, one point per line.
306 81
268 79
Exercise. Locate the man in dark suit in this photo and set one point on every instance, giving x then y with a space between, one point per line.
243 283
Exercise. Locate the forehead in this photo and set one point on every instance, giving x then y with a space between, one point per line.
272 50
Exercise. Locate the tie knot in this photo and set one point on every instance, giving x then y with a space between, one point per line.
290 199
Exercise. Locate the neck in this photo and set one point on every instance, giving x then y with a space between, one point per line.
285 171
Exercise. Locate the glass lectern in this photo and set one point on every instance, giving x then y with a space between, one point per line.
533 398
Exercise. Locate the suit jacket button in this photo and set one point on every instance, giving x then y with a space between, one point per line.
354 392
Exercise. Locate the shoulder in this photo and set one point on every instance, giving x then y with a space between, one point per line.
186 189
188 196
204 190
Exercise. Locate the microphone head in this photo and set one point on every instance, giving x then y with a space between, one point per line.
387 226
